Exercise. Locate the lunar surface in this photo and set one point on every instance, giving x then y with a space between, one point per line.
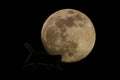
69 33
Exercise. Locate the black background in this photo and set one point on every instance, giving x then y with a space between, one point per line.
35 15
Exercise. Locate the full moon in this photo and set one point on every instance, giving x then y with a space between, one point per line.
68 33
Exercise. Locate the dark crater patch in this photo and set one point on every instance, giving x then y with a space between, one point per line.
51 35
78 17
69 22
81 25
71 12
72 48
69 47
60 23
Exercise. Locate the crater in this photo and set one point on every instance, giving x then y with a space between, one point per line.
71 48
52 50
81 25
69 21
78 17
60 23
51 35
71 12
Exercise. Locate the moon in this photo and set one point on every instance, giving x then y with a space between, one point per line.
68 33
